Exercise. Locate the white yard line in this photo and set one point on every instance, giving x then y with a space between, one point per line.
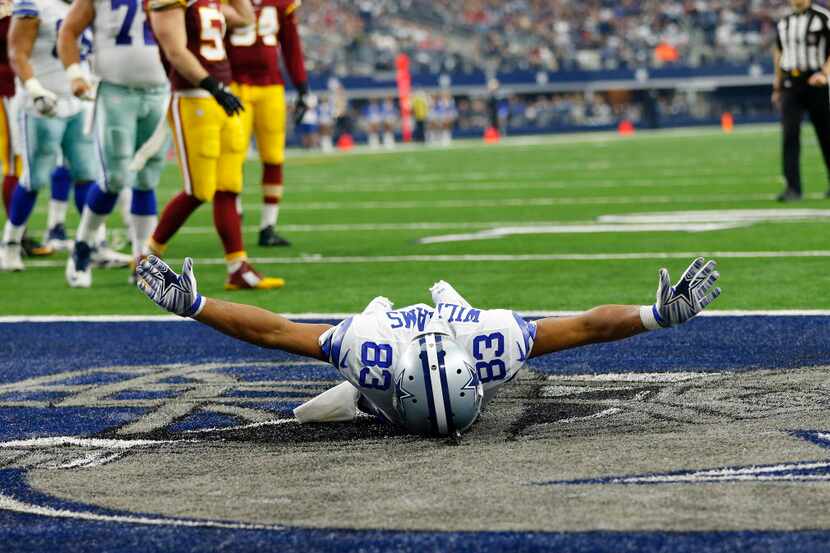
10 319
501 258
520 202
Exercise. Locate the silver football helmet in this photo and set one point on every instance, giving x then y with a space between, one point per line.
437 389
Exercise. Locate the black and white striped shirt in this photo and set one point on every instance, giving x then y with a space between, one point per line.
803 39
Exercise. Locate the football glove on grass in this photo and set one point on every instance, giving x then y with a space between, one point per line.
174 293
689 296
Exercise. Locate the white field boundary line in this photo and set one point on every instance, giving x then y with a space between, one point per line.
12 319
501 258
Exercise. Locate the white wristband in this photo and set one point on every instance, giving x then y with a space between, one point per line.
648 319
74 71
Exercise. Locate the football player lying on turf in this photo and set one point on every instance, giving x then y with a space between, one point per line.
428 369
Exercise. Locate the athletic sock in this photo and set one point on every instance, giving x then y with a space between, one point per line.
21 205
226 220
272 190
89 225
125 200
13 234
143 219
81 191
9 184
57 213
172 218
99 204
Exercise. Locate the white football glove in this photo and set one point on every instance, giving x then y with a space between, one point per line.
44 100
174 293
677 304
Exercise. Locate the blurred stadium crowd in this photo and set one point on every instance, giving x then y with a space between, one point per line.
362 37
448 40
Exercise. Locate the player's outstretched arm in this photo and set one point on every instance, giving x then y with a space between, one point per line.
179 294
674 305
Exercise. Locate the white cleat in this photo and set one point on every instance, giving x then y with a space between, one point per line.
11 257
79 266
104 257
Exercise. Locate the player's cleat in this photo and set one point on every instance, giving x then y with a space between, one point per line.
10 257
246 278
56 239
33 248
789 195
79 266
104 257
269 237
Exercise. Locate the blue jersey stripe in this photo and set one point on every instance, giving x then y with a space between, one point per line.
528 331
337 341
25 8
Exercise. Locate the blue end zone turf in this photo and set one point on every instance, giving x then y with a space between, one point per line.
39 349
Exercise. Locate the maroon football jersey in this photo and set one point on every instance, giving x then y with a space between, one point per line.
6 73
254 51
205 28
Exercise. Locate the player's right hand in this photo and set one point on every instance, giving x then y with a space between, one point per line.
224 97
81 89
45 101
689 296
174 293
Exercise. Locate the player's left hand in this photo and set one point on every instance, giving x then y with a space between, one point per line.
817 79
689 296
174 293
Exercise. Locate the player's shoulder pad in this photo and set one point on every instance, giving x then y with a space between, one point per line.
25 8
160 5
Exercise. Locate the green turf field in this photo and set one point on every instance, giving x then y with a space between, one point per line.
354 219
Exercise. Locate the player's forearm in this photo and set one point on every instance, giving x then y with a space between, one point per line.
68 50
21 40
169 28
79 17
262 328
605 323
292 48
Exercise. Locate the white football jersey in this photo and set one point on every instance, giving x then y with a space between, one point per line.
126 52
364 348
48 69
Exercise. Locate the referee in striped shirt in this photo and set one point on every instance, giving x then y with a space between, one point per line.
801 77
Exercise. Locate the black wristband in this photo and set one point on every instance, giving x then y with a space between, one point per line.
211 84
302 89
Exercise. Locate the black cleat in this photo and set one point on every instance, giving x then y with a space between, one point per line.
268 237
789 195
33 248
